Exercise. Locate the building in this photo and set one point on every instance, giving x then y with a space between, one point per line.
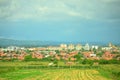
63 46
107 55
87 47
106 48
94 47
78 47
71 46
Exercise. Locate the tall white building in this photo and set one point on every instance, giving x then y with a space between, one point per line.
71 46
94 47
87 47
63 46
78 47
12 48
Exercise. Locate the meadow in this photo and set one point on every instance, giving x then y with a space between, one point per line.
53 74
36 71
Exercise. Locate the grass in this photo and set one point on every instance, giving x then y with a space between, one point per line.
53 74
21 63
41 71
111 71
19 74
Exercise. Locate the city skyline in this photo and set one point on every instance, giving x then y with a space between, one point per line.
64 20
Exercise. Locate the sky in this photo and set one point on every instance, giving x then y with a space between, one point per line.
60 20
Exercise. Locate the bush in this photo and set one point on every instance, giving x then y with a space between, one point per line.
86 61
103 62
29 58
109 61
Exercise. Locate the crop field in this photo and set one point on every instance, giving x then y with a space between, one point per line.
53 74
41 71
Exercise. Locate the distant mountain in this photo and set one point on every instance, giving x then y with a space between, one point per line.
29 43
26 43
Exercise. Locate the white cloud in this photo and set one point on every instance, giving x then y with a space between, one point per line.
58 9
109 1
74 14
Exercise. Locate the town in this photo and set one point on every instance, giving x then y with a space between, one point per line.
65 52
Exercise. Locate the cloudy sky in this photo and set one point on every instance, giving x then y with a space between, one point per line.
60 20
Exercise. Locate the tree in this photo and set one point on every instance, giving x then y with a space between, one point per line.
78 57
55 62
57 51
87 61
84 61
29 58
82 49
100 53
17 52
27 51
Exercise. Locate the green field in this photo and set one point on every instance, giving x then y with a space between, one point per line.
34 71
53 74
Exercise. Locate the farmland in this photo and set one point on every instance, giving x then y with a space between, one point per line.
35 71
53 74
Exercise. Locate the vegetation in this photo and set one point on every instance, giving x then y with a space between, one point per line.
59 64
53 74
29 58
37 70
111 71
